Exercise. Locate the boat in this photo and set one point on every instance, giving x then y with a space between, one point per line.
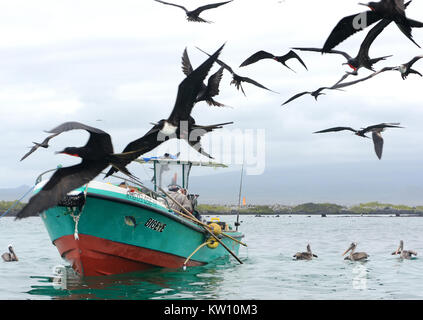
105 228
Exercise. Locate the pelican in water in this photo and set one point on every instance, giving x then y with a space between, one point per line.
355 256
404 254
9 256
305 255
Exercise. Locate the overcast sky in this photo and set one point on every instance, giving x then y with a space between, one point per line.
120 62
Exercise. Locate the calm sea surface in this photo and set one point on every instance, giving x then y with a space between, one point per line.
268 273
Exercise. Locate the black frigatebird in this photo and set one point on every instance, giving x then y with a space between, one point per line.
194 14
237 79
315 94
97 154
37 145
362 60
260 55
180 123
393 10
208 91
376 131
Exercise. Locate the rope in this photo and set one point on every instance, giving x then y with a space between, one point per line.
14 205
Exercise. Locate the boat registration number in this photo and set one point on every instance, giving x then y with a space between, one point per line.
155 225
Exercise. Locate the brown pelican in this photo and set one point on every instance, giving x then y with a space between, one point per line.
305 255
355 256
9 256
404 254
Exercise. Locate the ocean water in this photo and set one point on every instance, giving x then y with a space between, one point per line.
268 271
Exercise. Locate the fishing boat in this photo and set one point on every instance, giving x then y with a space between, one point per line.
112 228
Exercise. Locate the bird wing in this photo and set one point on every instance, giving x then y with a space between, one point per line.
346 55
382 126
63 181
220 62
414 60
186 63
336 129
371 37
249 80
37 145
346 27
189 88
378 143
347 84
214 82
140 146
257 57
172 4
295 97
291 55
209 6
99 140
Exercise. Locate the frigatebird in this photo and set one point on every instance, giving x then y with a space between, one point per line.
376 131
315 94
194 14
96 155
237 79
362 60
37 145
260 55
393 10
208 91
405 69
180 124
340 84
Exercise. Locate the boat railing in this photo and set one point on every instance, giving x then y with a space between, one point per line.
143 189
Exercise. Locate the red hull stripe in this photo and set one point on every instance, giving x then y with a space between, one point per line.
93 256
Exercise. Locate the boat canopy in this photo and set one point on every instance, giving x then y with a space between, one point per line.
168 169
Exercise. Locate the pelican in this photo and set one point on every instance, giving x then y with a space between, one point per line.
305 255
355 256
9 256
404 254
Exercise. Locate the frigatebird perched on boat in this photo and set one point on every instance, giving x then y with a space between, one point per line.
362 60
37 145
194 14
180 123
393 10
260 55
237 79
376 131
96 155
208 91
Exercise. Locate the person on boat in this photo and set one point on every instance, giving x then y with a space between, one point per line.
123 185
179 194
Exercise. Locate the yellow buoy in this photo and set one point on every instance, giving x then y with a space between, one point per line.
216 228
212 243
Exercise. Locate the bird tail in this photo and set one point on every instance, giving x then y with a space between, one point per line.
376 60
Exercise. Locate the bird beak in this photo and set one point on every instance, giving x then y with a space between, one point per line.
347 251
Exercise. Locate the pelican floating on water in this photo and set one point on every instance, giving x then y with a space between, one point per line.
404 254
305 255
355 256
9 256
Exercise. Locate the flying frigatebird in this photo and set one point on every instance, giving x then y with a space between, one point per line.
362 60
96 155
260 55
405 69
376 131
194 14
208 91
37 145
180 124
393 10
237 79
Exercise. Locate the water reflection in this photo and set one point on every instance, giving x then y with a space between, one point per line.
158 283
